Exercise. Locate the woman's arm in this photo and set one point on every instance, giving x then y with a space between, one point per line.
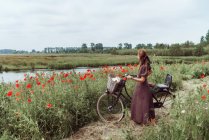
142 79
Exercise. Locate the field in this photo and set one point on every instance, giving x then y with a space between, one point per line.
55 106
68 61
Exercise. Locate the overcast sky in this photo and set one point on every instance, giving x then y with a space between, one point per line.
36 24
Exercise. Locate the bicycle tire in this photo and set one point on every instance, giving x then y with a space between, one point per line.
104 104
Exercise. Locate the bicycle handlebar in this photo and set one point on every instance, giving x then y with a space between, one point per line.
130 75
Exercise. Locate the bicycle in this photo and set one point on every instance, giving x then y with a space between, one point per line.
111 105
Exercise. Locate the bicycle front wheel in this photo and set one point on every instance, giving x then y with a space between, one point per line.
110 108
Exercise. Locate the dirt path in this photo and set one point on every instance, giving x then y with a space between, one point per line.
103 131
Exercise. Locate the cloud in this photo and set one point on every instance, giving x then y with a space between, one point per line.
41 23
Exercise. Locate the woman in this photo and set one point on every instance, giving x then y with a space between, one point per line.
142 107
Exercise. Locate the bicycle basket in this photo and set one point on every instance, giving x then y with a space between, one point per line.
112 83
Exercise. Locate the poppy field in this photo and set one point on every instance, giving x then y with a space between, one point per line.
55 105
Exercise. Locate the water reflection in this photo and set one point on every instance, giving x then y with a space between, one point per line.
12 76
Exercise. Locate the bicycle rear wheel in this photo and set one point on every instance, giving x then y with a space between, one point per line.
109 108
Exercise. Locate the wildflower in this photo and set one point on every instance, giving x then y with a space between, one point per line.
88 70
9 93
124 78
29 100
38 83
203 97
208 91
28 86
183 111
66 75
82 78
49 105
17 81
17 85
202 76
123 70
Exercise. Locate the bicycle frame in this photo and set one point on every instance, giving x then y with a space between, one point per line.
127 99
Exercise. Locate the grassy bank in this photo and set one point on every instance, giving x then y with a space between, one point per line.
63 61
56 105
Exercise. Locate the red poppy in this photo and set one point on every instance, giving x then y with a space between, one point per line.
93 70
208 91
25 74
17 81
28 86
24 79
9 93
43 85
29 100
120 66
82 78
123 70
203 97
31 77
49 105
88 70
38 83
91 75
66 75
202 76
17 85
52 78
124 78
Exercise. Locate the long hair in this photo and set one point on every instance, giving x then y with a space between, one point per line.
144 59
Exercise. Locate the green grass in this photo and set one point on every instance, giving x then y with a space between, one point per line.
63 61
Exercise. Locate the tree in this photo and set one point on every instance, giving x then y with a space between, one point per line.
120 46
99 47
207 37
149 46
84 48
92 47
127 46
199 50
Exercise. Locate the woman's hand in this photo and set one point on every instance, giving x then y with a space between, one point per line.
129 77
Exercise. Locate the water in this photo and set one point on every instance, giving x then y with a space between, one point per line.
12 76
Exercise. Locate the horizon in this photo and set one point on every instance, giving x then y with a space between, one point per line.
38 24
